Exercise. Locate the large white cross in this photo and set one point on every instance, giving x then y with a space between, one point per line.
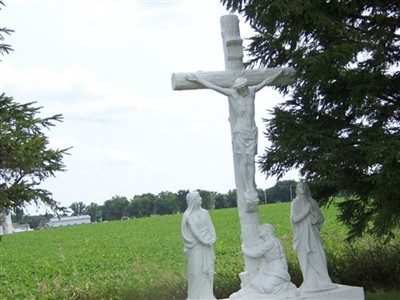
239 105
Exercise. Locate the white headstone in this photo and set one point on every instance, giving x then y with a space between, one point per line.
7 223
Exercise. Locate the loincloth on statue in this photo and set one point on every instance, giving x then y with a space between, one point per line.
245 140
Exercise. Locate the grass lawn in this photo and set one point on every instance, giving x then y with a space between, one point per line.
143 258
383 296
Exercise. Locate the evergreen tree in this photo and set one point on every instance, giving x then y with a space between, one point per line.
340 127
25 157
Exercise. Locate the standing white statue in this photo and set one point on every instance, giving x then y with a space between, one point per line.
273 277
199 237
307 221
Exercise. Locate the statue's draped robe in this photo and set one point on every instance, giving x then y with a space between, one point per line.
273 277
308 245
198 233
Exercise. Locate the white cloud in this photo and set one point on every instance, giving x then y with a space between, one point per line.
126 159
73 92
106 66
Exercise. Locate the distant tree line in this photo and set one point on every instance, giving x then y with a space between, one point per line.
119 207
34 221
146 205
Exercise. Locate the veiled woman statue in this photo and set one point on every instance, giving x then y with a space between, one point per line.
199 237
307 221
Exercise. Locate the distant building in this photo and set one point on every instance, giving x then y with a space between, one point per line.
21 227
69 221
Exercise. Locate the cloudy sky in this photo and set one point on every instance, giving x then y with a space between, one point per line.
106 66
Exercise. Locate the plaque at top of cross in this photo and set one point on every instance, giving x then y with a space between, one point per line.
240 86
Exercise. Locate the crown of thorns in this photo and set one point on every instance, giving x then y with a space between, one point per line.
240 82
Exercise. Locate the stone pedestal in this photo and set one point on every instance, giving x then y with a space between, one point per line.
342 292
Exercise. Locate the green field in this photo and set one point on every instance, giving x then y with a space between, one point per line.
143 258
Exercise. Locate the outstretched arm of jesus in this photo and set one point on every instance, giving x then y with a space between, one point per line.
209 85
269 80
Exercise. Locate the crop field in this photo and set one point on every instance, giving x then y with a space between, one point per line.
137 259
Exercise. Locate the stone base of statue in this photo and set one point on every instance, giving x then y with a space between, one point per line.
342 292
247 295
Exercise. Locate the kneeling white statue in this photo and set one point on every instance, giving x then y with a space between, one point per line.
273 278
199 237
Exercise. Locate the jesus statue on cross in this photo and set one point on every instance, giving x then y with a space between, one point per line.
241 98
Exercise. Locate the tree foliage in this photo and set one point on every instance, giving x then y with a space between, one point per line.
78 208
220 201
34 222
25 157
115 208
208 199
142 206
181 198
166 203
4 48
340 128
282 191
94 211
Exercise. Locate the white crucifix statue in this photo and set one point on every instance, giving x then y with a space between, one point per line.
240 86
